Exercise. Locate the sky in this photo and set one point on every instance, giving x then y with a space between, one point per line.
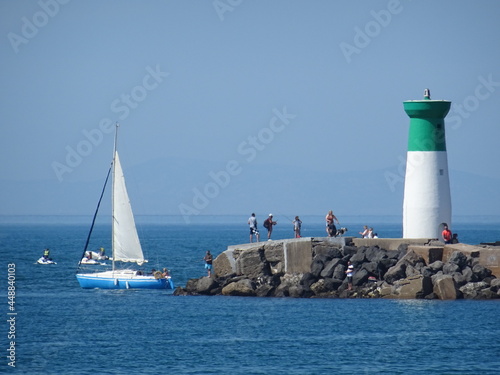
235 106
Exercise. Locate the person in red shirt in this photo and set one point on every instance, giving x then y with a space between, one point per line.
446 234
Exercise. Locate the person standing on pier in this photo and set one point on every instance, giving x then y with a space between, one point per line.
252 222
208 262
297 224
268 224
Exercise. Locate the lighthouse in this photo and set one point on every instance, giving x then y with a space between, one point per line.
427 199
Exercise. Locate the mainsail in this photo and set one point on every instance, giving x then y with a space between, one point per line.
126 245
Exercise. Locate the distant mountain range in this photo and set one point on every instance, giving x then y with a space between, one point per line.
179 186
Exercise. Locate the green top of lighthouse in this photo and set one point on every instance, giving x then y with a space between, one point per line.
427 131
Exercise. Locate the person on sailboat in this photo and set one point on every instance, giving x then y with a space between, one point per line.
102 254
46 254
208 262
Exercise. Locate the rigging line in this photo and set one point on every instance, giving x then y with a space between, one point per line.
286 217
93 220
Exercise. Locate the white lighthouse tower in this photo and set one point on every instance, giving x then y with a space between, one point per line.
427 200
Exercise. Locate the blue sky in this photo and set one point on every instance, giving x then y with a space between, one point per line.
242 94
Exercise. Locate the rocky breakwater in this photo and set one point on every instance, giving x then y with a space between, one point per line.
316 267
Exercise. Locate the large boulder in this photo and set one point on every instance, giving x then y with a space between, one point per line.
495 285
488 293
245 288
459 279
398 271
191 286
444 287
436 266
473 290
375 254
412 271
427 271
308 279
273 252
328 251
349 250
252 264
299 291
330 267
282 291
288 281
358 258
386 263
395 254
319 287
450 268
339 272
205 285
480 272
360 277
413 287
224 263
458 258
317 266
265 290
467 273
335 283
372 268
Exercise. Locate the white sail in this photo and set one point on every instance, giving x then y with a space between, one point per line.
126 245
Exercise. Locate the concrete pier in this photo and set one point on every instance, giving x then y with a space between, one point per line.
295 255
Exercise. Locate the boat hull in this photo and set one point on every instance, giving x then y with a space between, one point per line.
45 261
110 280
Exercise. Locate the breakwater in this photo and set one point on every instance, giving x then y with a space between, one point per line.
383 268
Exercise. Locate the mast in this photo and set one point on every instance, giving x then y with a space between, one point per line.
113 198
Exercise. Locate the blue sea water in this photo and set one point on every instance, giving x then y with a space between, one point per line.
63 329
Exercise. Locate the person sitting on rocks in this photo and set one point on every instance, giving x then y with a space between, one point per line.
364 233
330 219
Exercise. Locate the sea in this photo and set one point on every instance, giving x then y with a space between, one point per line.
52 326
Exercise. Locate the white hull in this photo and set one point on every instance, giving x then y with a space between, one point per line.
92 262
42 260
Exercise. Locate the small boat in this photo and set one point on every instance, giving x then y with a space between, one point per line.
92 262
126 247
44 260
94 259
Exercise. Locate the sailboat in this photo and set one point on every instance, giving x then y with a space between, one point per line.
126 247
